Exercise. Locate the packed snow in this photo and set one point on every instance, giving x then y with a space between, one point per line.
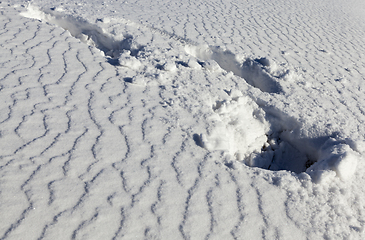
175 119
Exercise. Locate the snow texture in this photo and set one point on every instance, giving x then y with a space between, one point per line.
182 119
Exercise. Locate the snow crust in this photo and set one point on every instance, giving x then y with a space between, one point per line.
182 120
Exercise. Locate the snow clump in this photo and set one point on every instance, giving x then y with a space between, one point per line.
129 61
336 156
239 127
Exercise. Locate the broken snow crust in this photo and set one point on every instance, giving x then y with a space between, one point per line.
182 119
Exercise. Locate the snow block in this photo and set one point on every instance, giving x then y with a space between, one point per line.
238 127
336 156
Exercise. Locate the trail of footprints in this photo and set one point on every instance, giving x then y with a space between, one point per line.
83 136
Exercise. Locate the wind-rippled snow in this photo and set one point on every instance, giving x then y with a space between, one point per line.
182 120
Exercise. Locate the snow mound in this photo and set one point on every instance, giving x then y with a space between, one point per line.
239 127
335 156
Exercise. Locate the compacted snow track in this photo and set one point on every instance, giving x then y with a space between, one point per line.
160 122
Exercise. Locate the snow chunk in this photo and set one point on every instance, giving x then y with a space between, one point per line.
169 66
192 63
129 61
336 156
212 66
202 51
238 128
34 12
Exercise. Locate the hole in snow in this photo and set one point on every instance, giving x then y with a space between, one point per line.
252 70
87 33
197 140
243 130
255 72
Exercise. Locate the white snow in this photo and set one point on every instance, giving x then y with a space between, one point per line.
335 156
182 119
127 60
238 127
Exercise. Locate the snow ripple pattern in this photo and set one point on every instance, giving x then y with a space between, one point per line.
96 147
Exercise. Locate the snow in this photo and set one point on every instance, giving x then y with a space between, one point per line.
182 120
239 128
335 156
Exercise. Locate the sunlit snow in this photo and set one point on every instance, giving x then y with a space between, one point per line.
182 119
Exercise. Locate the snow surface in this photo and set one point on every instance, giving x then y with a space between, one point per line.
182 119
